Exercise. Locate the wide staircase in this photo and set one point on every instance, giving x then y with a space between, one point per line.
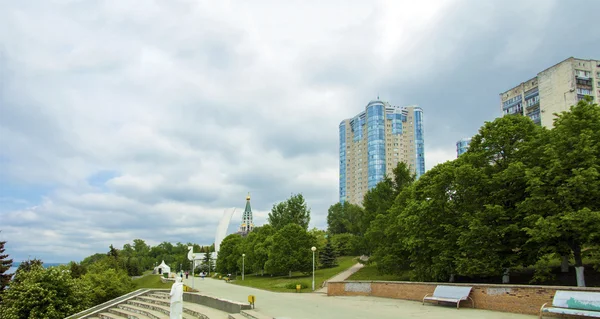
155 304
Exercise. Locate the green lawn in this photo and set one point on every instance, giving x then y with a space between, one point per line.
369 272
287 284
151 281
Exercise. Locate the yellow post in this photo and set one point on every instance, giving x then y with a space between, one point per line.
298 287
251 300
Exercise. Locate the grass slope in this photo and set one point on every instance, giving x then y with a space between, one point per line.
287 284
151 281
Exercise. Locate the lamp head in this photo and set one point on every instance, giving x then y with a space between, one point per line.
314 249
243 255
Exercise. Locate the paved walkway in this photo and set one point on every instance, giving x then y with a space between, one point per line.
314 306
342 276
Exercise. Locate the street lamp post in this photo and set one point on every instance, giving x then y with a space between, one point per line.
313 282
243 265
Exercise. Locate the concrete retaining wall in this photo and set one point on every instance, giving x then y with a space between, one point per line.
508 298
217 303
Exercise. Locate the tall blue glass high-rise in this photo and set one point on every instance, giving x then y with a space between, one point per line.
462 146
373 142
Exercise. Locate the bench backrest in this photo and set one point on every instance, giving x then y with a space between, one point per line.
583 300
455 292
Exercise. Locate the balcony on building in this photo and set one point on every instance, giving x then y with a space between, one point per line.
584 83
584 75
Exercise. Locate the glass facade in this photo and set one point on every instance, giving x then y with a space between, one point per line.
419 142
343 161
396 119
357 127
375 142
462 146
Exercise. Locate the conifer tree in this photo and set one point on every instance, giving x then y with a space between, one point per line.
5 265
327 256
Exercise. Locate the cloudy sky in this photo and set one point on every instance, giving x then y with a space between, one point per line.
147 119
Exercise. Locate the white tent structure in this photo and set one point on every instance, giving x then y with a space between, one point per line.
162 268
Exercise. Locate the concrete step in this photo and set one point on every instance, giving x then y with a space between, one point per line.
253 314
161 296
107 315
122 313
156 301
150 306
235 316
196 309
152 314
191 311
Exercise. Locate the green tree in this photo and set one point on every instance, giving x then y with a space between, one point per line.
229 253
77 270
320 236
378 201
565 186
45 293
92 259
385 237
344 218
140 247
346 244
106 281
493 240
427 228
290 250
292 211
28 265
113 252
327 256
5 265
261 247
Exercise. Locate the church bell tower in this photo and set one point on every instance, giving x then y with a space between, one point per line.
247 223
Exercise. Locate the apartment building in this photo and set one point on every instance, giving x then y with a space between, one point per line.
553 90
372 144
462 146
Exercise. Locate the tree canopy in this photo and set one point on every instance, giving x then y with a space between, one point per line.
292 211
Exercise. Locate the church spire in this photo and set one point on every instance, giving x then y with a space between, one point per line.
247 222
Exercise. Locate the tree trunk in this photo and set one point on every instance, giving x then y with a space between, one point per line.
290 275
506 276
564 265
578 265
451 278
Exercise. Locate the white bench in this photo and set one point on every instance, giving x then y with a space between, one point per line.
577 303
454 294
